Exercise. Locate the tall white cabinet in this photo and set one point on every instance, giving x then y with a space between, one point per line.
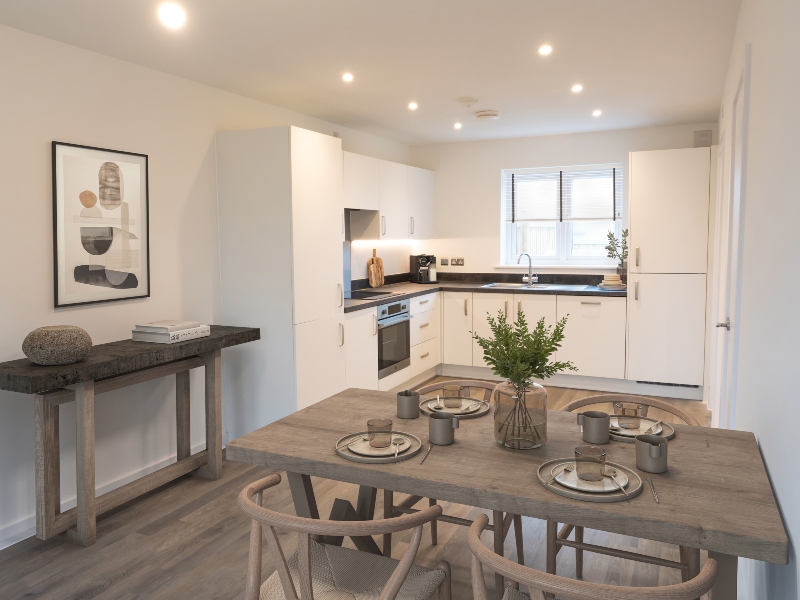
280 201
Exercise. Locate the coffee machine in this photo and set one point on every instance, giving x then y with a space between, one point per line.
423 268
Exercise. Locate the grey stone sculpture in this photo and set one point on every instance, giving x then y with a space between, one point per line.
57 345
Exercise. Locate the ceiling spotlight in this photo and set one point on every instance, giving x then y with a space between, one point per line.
172 15
412 106
597 112
347 77
457 126
545 50
577 88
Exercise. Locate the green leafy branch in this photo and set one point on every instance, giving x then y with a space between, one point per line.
618 248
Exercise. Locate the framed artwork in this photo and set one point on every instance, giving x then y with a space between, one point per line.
101 241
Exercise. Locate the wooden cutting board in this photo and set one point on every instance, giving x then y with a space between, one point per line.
375 270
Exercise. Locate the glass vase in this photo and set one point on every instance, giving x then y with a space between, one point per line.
520 422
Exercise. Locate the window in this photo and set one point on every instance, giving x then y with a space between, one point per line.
561 216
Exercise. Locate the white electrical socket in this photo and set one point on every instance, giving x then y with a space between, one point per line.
457 262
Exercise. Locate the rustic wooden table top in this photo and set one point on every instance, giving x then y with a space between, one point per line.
116 358
716 494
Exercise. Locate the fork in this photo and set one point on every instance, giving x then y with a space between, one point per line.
567 468
653 428
610 472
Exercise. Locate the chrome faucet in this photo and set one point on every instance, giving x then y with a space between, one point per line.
531 277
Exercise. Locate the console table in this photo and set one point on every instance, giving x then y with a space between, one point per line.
111 367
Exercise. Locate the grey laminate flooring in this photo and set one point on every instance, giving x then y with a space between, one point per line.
188 539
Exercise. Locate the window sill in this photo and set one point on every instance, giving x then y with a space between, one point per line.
551 266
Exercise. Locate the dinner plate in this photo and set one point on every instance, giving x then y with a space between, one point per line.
571 480
468 406
344 449
361 446
644 424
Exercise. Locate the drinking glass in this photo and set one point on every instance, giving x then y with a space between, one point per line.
452 396
590 463
379 432
628 417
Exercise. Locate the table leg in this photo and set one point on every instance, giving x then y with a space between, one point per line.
497 523
725 586
87 517
213 470
366 502
182 414
388 513
48 466
305 502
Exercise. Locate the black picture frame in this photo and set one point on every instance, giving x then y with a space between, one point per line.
143 283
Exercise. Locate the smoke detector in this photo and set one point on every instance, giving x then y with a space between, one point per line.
486 115
467 101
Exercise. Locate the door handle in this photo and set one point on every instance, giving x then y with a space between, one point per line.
341 294
341 333
411 224
465 306
383 227
519 306
424 325
598 303
636 290
426 355
342 222
423 301
637 256
506 307
726 324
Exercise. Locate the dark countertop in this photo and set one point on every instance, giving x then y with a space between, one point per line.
116 358
409 290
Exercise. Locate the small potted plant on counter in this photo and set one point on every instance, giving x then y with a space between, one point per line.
520 355
619 249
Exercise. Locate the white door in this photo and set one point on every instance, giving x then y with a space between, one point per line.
536 306
457 327
594 337
485 305
361 349
394 201
317 226
666 328
669 199
361 182
421 192
319 360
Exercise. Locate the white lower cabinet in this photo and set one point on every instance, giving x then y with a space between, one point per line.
536 306
425 356
666 328
483 306
361 349
424 327
319 359
594 338
456 328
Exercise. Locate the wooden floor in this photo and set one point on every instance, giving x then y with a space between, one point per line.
189 539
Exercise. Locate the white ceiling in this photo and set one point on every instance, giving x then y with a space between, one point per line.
643 62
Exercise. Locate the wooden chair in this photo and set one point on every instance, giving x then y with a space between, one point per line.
689 564
484 389
328 570
540 583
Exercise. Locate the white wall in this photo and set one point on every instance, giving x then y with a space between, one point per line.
767 398
395 255
51 91
468 181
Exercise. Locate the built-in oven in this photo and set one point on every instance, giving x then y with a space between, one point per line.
394 338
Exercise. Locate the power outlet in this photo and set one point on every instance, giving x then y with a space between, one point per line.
457 262
444 261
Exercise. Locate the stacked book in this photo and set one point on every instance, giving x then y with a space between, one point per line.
170 332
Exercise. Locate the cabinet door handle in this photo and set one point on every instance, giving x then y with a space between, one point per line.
375 330
342 222
726 324
411 219
424 325
636 290
426 355
341 333
423 301
583 302
383 227
465 306
519 306
506 307
637 256
341 294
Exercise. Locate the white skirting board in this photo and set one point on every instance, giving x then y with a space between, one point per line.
600 384
24 528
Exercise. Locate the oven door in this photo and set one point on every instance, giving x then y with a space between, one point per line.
394 344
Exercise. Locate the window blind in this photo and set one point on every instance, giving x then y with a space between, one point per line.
563 195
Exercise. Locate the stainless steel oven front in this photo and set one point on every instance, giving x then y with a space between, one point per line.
394 338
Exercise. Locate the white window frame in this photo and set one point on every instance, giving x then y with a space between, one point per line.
564 230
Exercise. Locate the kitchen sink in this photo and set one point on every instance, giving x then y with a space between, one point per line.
535 286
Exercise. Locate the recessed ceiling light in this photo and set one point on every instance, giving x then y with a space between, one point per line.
577 88
348 77
457 126
412 106
545 50
597 112
172 15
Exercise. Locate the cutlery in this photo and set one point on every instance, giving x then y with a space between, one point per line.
610 472
567 468
653 428
430 447
397 442
650 481
347 443
439 401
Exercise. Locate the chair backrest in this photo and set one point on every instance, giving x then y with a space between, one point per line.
466 386
642 403
539 582
250 500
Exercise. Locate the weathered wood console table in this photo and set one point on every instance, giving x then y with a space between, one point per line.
111 367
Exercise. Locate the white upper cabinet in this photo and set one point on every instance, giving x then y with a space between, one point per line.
317 226
393 201
669 201
361 349
483 306
361 182
456 328
421 187
666 328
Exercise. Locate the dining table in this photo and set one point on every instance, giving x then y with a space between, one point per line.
715 495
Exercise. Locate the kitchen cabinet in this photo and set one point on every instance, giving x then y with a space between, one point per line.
393 200
425 356
668 207
666 328
594 337
483 306
456 328
421 192
424 326
320 360
361 349
535 307
420 304
361 181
